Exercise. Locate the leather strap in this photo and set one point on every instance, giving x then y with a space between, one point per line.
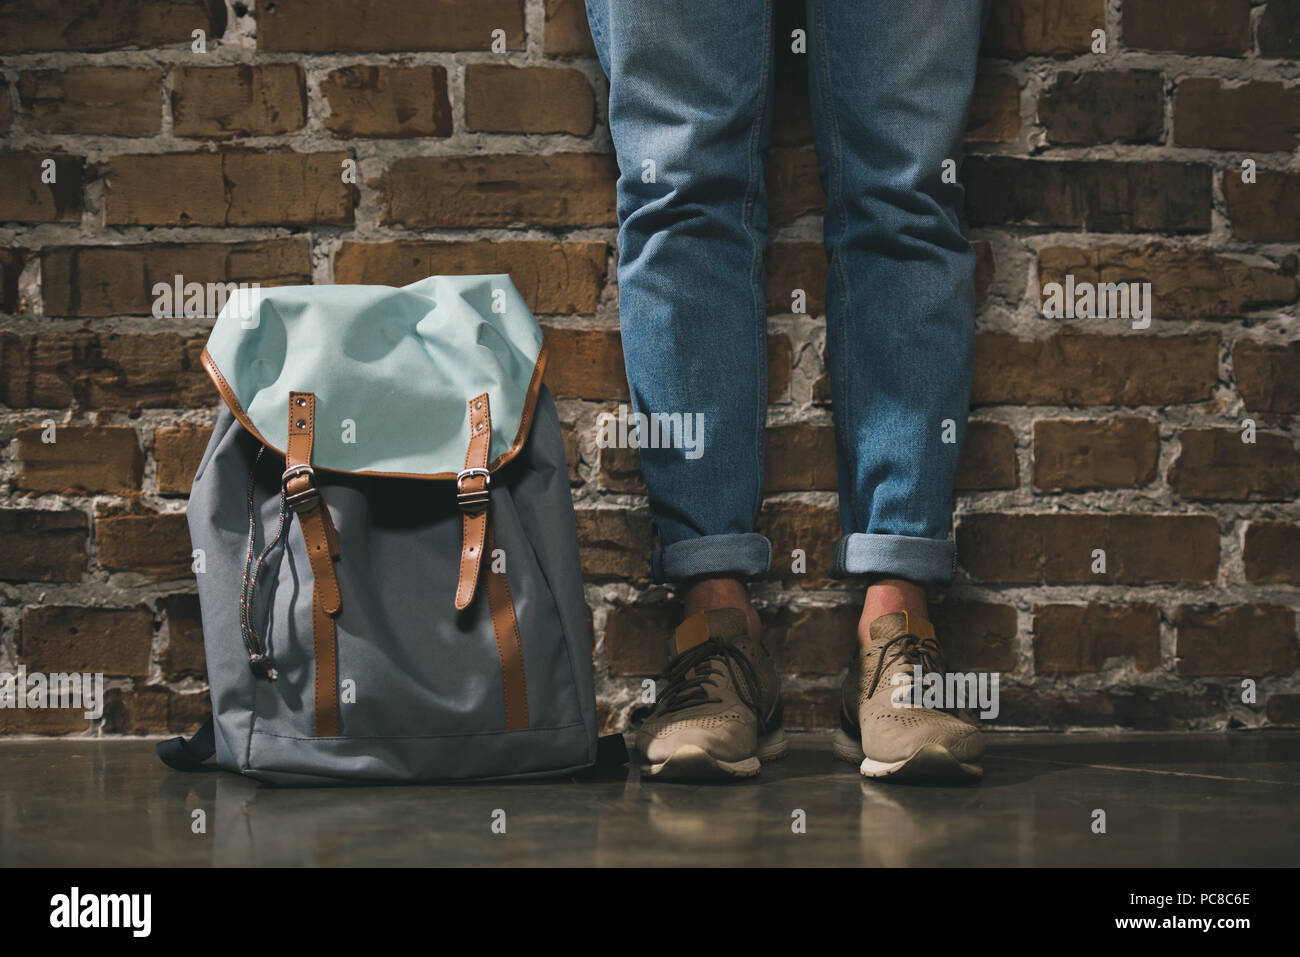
321 537
510 649
471 493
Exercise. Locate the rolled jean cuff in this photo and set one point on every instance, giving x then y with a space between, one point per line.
897 556
746 555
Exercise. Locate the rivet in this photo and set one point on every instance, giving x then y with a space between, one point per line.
480 427
478 405
301 400
302 423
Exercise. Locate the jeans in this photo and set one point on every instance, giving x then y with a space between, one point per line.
690 112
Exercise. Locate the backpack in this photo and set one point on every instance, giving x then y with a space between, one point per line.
385 544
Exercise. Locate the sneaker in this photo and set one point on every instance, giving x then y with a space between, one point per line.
718 709
901 743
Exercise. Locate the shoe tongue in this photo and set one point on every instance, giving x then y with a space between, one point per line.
726 624
900 623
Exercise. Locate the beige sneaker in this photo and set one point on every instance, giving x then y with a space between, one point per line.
718 709
895 741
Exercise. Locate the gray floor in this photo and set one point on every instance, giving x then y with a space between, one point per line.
1169 800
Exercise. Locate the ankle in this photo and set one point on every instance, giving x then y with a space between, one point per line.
890 595
706 594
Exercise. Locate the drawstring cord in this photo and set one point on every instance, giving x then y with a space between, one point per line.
258 660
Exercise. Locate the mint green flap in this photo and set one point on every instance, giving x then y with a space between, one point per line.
392 369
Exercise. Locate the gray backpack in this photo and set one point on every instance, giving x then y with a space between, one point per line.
385 546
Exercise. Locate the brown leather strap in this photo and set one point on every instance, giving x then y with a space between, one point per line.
322 551
472 494
510 649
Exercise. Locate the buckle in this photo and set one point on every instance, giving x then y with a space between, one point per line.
476 500
309 497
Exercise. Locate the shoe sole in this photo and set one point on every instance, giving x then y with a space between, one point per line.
693 762
931 763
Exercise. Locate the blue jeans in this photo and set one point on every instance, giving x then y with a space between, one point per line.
690 106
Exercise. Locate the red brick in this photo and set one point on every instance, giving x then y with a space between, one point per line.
994 110
41 545
988 458
1098 196
1267 210
811 709
1283 710
1076 454
26 199
1213 27
106 24
566 32
152 709
1255 116
1020 28
799 458
976 635
156 545
114 641
1271 553
637 637
1186 282
46 722
1082 369
95 281
1267 375
1140 708
1248 640
230 188
794 266
585 363
12 261
798 525
1077 639
184 656
1279 29
178 452
812 641
620 471
1103 107
793 189
110 371
339 26
555 278
1057 548
113 100
6 106
510 99
387 101
615 544
558 189
780 367
1217 464
243 100
80 460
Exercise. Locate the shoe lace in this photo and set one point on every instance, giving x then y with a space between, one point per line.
688 676
910 650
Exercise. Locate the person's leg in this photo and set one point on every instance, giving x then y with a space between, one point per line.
891 84
689 108
689 111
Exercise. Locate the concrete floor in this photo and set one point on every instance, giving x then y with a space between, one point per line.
1171 800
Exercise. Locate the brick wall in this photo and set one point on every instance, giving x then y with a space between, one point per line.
1123 165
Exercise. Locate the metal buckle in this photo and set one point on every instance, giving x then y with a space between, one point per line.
309 497
473 501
